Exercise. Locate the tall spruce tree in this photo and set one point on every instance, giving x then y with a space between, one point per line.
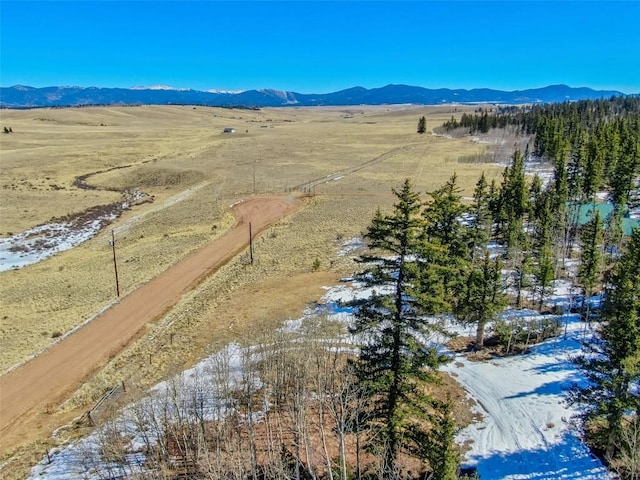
445 234
593 168
483 296
443 217
480 224
513 202
438 445
522 267
559 199
576 167
394 360
422 125
612 364
590 260
543 273
625 173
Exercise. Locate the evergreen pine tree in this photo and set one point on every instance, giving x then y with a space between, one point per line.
522 265
535 195
438 445
590 260
495 207
422 125
394 359
514 202
446 234
443 214
559 199
593 168
483 124
612 150
575 168
626 171
544 272
614 234
480 225
483 296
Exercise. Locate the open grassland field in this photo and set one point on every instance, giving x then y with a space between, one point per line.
180 158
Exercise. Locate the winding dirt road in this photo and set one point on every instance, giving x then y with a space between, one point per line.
51 377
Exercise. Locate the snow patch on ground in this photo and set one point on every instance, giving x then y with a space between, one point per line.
39 243
351 246
534 167
526 431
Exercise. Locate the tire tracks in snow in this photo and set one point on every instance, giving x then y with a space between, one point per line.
523 434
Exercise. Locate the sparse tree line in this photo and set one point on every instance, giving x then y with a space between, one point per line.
287 408
593 143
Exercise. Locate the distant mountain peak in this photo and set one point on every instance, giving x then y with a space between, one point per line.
230 92
159 87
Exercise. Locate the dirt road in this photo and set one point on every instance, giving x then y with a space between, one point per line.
52 376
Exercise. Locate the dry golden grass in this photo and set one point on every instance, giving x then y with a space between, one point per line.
180 156
194 172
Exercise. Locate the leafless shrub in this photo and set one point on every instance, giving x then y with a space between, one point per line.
627 459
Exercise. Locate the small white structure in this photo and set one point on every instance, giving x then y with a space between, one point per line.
229 130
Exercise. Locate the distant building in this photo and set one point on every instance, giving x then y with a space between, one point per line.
229 130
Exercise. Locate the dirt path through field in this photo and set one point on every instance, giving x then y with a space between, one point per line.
51 377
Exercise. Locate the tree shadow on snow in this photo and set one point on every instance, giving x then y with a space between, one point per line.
568 459
555 387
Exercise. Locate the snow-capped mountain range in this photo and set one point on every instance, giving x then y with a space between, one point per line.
20 96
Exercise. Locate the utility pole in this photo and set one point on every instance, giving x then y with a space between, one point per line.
250 244
115 264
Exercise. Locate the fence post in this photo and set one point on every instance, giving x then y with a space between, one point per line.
93 424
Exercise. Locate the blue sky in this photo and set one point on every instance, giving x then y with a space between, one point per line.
318 47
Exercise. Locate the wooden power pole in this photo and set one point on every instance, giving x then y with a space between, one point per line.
115 263
250 244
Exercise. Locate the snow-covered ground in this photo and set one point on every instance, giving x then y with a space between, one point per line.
525 432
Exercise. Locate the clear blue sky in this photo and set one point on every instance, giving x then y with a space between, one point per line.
318 47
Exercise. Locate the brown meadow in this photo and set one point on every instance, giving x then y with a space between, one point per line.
194 172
